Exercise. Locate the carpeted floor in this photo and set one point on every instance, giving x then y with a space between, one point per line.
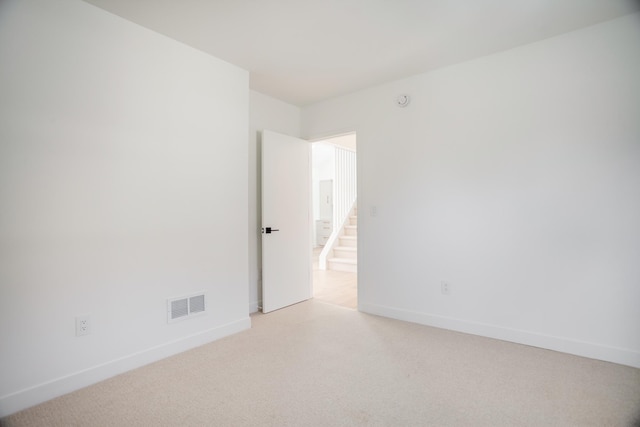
317 364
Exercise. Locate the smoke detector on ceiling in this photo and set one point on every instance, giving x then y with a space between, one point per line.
403 100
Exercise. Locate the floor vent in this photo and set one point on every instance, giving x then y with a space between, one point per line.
185 307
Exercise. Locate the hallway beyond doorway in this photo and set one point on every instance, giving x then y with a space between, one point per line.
336 287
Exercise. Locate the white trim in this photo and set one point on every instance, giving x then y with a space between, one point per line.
25 398
254 307
323 136
328 142
565 345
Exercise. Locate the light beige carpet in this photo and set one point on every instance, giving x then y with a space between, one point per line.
317 364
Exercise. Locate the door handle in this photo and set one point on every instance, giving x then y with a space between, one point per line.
268 230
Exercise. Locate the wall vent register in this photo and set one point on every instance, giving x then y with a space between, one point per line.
185 307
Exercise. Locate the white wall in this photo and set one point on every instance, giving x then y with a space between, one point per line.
514 177
322 169
270 114
123 181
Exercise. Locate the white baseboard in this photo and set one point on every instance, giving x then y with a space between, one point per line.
565 345
254 307
25 398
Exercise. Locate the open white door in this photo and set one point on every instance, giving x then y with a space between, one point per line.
286 221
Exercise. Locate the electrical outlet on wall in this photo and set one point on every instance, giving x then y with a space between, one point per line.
445 288
83 325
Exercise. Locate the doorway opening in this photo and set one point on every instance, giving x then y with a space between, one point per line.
335 220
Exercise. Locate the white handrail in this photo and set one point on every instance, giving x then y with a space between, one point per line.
333 239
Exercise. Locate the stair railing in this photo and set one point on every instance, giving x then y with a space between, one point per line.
345 193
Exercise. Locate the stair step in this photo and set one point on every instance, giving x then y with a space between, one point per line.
343 264
345 252
353 220
351 230
351 241
344 260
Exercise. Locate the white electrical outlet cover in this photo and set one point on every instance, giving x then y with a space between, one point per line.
83 325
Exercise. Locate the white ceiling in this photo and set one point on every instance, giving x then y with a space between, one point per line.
304 51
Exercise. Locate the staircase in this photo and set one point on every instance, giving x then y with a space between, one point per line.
345 253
